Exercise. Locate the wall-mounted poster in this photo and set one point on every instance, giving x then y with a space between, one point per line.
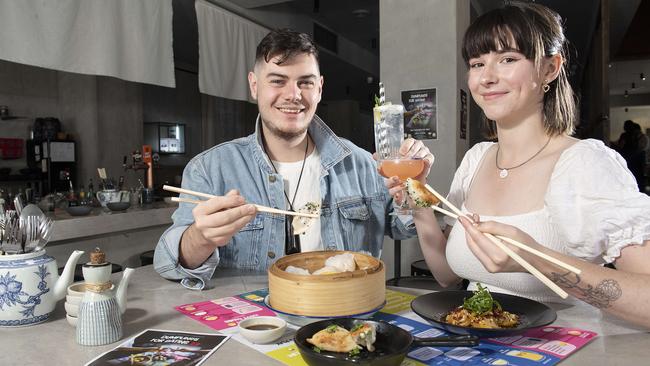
463 115
420 114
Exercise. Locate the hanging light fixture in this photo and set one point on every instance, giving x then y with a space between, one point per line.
642 77
626 94
633 85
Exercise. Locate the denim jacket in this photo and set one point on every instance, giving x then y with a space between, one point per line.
354 208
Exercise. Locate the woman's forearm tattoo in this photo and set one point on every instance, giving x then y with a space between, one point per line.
602 296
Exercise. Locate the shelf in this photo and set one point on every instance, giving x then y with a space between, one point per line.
18 178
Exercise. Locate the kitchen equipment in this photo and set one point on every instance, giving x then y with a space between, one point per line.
118 206
112 195
32 286
100 311
391 346
434 307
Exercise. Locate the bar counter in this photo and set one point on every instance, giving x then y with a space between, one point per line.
151 301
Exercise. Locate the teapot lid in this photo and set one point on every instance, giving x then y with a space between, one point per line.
97 258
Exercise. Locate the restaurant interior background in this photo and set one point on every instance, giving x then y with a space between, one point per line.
361 42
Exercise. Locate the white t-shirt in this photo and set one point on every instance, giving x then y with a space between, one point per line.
307 192
592 210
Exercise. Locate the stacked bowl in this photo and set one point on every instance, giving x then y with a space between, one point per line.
73 300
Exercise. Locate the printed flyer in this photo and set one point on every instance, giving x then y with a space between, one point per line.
162 347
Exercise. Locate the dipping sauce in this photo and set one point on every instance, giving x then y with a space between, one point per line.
261 327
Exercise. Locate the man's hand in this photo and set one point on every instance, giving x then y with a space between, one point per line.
216 221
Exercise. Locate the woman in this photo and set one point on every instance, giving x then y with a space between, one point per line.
572 199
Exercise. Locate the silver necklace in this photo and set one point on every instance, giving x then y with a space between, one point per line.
503 172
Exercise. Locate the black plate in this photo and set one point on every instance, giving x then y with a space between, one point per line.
434 307
391 346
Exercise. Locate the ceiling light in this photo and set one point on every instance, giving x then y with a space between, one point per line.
642 77
625 109
633 86
626 94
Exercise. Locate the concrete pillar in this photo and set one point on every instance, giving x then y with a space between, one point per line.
420 48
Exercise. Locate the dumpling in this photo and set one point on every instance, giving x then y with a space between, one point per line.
333 339
343 262
365 334
296 270
326 270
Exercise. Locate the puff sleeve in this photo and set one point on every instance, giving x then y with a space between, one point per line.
594 202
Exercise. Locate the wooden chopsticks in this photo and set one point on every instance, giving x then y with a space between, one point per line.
534 271
205 195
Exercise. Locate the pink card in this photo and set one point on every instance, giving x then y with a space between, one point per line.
223 313
557 341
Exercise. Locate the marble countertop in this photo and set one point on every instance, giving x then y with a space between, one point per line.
102 221
151 302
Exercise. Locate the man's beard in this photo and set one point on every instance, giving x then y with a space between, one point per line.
285 135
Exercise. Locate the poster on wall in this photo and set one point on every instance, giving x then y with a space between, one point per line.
420 114
463 115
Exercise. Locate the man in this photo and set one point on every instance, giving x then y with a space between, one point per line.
292 161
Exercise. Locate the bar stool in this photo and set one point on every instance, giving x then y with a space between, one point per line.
146 258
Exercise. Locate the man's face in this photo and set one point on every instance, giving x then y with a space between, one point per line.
287 95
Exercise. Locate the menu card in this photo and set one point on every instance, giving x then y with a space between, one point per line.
540 346
162 347
227 312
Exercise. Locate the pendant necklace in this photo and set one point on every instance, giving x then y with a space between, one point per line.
503 172
291 241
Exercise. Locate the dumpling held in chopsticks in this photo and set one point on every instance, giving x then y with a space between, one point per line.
420 194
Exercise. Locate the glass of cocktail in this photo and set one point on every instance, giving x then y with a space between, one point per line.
389 136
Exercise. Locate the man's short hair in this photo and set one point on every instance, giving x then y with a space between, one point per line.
284 44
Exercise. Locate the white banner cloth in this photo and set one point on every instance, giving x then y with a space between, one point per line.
227 44
127 39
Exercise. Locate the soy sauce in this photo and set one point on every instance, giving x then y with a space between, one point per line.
261 327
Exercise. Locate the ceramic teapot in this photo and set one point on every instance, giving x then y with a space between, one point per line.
100 310
112 195
30 286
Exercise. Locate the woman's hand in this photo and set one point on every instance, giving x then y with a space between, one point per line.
416 149
491 256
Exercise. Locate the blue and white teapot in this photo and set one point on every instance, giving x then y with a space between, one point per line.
30 286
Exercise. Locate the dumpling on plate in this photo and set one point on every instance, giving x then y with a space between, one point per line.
365 334
333 339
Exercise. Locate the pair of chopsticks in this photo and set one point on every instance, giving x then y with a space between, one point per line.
205 195
497 241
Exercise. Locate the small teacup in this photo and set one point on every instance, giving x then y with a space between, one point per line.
71 309
262 329
72 320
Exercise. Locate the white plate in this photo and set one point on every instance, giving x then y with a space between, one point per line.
301 320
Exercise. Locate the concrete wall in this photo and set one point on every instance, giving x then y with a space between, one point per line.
103 114
420 49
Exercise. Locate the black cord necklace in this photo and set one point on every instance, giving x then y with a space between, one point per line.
291 241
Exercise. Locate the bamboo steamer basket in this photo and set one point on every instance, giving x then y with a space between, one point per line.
337 294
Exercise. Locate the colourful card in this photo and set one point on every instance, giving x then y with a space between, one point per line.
224 313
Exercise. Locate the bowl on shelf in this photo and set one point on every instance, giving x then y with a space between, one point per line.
79 210
118 206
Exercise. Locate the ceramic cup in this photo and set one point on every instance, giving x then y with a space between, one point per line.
262 329
71 309
71 320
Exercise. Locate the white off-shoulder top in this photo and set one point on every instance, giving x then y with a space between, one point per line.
592 209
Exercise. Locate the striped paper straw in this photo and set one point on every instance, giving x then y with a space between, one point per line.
381 135
382 94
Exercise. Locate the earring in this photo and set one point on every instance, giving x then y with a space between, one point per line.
546 87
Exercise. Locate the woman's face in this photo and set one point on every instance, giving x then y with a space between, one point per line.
505 85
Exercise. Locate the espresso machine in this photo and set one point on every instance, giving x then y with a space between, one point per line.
145 160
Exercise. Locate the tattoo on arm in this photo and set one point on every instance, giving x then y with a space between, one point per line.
602 296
